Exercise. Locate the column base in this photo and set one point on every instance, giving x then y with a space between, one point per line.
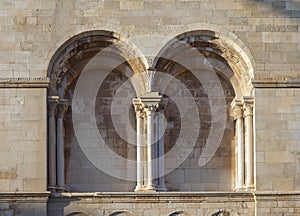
61 189
150 187
139 189
161 188
240 189
250 187
51 188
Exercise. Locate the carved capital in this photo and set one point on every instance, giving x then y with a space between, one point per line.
237 109
248 105
52 105
151 109
248 110
238 112
139 114
163 104
62 107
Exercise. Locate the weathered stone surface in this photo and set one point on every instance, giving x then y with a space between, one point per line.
250 44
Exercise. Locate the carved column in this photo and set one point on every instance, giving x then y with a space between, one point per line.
145 108
150 112
62 107
237 108
160 157
52 105
248 119
139 146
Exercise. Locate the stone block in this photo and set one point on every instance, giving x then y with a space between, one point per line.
283 184
131 5
4 185
274 157
269 170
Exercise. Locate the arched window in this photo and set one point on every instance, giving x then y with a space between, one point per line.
183 102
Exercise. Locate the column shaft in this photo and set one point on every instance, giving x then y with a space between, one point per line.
240 154
60 150
145 162
248 117
150 141
139 153
161 167
52 103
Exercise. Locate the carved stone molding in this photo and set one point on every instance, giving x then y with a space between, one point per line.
25 82
276 82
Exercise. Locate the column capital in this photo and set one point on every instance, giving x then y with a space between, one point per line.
248 105
163 104
62 107
52 102
237 109
138 106
151 109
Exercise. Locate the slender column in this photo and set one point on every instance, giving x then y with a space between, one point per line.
150 111
240 151
248 118
161 167
139 150
60 151
144 149
52 104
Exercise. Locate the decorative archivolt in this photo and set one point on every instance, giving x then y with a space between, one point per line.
85 46
211 45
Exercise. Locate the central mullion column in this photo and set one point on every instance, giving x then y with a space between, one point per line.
149 102
150 112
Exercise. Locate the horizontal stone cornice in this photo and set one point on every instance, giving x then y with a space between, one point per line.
26 197
25 82
277 195
159 197
276 82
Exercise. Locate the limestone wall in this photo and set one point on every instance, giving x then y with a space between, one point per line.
277 124
31 31
23 165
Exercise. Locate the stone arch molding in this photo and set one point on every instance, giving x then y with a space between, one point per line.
229 46
233 50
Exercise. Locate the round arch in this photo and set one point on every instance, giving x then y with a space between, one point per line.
227 46
91 42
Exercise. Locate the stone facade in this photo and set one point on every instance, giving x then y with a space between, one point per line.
238 153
